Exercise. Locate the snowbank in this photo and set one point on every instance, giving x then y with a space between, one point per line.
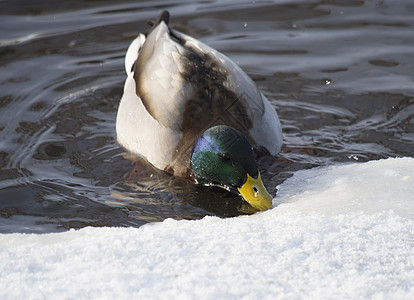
341 232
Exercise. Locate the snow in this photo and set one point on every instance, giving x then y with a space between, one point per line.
342 232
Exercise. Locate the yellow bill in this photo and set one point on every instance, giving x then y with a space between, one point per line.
255 193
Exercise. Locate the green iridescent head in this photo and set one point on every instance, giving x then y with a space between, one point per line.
223 156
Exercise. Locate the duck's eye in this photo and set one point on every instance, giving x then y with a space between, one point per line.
224 156
255 190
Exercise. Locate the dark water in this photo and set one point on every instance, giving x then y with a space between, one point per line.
340 74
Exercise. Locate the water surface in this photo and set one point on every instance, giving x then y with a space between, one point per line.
339 73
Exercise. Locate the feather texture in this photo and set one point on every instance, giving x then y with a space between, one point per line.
177 87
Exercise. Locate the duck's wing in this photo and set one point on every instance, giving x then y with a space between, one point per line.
189 86
154 139
160 75
239 102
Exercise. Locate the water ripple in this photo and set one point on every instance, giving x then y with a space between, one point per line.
339 73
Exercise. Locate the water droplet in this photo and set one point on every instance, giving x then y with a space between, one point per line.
354 157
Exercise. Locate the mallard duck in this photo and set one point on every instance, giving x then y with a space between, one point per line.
192 112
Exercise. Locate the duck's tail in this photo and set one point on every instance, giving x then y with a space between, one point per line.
163 17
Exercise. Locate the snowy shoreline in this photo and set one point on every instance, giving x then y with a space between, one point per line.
335 232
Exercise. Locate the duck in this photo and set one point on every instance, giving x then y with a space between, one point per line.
189 110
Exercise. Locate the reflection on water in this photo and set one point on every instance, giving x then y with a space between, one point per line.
339 73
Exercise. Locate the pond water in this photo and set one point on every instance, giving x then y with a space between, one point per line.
339 73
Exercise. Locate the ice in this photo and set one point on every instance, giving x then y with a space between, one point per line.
339 232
